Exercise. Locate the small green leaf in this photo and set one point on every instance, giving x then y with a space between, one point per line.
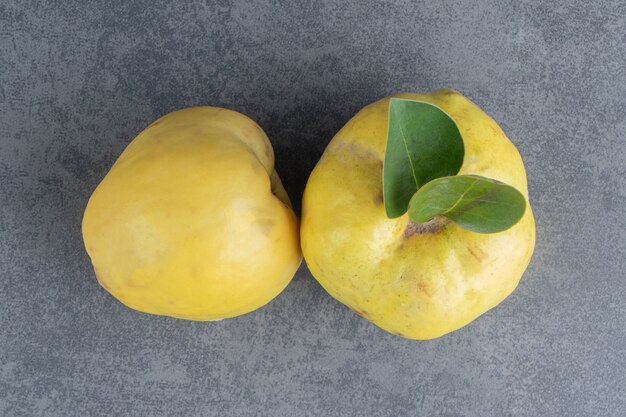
423 143
475 203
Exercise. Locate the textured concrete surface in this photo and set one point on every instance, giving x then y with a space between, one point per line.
79 79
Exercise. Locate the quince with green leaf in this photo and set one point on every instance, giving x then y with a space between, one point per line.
417 215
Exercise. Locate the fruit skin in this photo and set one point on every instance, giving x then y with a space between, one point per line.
416 281
192 221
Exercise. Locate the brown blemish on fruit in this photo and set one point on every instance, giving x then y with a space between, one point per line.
399 334
266 229
478 254
431 227
378 199
423 288
358 150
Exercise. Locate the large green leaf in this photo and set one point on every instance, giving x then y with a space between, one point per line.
423 143
475 203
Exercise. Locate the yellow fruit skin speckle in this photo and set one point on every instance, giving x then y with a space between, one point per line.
419 283
192 220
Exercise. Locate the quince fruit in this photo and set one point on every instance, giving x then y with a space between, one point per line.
192 220
416 280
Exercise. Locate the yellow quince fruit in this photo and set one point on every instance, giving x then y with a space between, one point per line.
192 220
416 280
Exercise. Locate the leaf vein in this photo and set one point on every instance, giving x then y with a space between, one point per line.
456 203
408 154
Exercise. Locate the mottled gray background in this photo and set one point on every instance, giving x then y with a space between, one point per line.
79 79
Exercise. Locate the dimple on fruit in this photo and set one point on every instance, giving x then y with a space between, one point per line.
192 220
416 216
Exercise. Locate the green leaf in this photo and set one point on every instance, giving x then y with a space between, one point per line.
475 203
423 143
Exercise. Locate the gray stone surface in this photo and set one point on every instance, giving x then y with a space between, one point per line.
79 79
